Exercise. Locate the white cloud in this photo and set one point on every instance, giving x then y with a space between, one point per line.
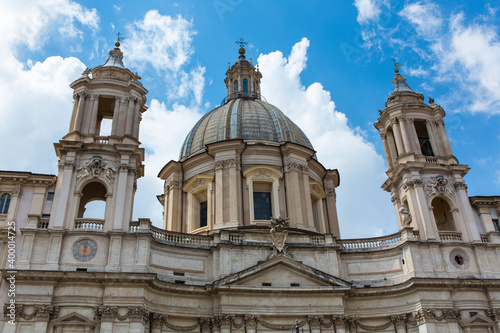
339 146
161 41
33 95
451 50
425 17
163 131
368 10
30 23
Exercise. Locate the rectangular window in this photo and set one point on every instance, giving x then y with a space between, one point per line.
496 225
50 196
262 209
45 216
203 214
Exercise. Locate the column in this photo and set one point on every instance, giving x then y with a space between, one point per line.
122 119
306 192
79 114
444 136
73 113
391 141
93 118
14 203
119 202
62 202
251 86
485 217
240 85
116 116
468 226
130 115
397 137
404 134
331 206
387 152
234 194
432 137
293 195
219 195
137 121
430 229
413 136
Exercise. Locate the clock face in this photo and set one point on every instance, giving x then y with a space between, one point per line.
84 250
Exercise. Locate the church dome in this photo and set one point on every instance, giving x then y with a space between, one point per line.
243 118
243 114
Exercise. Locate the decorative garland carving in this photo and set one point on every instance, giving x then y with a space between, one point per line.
251 321
278 326
290 166
42 312
374 328
449 314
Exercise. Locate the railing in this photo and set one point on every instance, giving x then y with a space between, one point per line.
179 238
133 226
89 224
432 160
236 238
377 243
43 224
103 140
450 236
243 94
484 239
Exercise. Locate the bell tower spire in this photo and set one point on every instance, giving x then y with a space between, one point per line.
100 157
242 79
424 178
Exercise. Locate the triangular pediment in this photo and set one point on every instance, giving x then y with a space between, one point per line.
73 318
478 321
282 272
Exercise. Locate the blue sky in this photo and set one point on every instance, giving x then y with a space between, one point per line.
326 64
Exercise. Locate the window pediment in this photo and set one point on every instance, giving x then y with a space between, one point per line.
198 183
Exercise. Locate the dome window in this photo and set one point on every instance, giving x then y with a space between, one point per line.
245 87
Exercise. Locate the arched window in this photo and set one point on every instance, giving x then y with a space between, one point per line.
245 87
4 203
235 87
442 214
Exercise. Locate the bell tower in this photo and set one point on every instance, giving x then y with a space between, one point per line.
424 178
100 158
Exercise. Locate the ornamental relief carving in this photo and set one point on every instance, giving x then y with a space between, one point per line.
294 166
437 185
408 184
95 167
229 163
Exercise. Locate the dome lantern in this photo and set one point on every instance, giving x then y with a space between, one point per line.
242 79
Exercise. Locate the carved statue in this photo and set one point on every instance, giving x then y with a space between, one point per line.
279 234
405 215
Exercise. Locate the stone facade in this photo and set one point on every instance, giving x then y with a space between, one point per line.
217 265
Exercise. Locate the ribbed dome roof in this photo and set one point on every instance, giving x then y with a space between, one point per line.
243 118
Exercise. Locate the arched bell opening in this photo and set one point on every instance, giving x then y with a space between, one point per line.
443 214
93 201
